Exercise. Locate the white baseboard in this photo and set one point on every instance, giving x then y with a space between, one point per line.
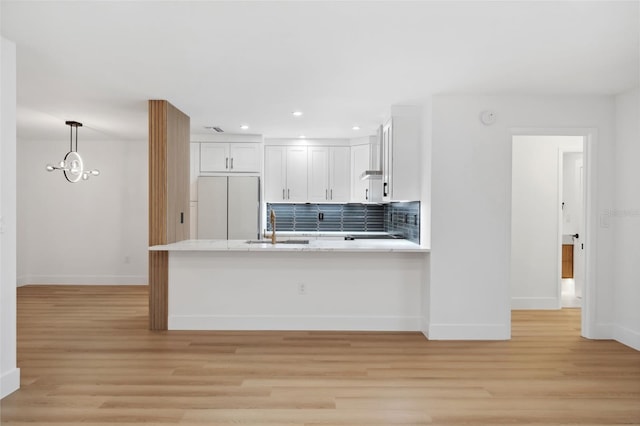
469 332
215 322
425 327
626 336
535 303
9 382
83 280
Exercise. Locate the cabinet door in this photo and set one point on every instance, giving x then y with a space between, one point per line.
275 182
360 155
387 152
318 174
194 170
244 157
212 207
214 157
193 223
296 189
339 173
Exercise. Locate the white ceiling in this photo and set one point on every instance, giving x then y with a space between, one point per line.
341 63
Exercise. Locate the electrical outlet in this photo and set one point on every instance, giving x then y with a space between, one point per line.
320 216
302 289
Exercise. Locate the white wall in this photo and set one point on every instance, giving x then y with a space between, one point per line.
90 232
9 373
625 220
471 200
535 227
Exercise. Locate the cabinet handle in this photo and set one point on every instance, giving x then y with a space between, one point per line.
288 194
366 194
326 195
231 163
331 194
226 163
384 187
283 194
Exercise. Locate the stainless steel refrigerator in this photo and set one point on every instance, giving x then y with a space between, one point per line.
228 207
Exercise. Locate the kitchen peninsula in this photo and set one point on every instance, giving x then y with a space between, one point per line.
320 285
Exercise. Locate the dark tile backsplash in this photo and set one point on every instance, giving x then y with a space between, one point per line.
337 217
403 219
395 218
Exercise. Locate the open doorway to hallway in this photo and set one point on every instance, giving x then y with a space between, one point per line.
547 221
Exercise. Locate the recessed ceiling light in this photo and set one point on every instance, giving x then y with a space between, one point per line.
296 113
356 128
244 127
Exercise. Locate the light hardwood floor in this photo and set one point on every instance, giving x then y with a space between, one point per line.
87 357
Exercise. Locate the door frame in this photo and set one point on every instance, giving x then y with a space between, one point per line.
590 152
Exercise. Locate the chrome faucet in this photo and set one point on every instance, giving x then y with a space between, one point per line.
272 219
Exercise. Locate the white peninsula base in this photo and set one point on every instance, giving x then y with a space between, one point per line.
297 290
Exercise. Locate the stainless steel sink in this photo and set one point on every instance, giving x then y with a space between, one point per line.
265 241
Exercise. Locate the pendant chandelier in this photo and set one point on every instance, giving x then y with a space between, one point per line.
72 165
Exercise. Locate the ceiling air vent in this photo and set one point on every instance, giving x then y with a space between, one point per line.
216 128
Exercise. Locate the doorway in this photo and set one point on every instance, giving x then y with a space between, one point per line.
540 224
572 227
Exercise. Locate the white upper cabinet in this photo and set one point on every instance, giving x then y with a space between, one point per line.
401 155
339 173
275 173
296 174
244 157
318 173
229 157
387 163
329 174
285 174
360 161
194 165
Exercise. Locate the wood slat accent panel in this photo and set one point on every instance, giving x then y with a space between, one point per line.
158 172
169 130
178 134
158 290
87 358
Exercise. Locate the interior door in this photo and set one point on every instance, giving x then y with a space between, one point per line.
578 243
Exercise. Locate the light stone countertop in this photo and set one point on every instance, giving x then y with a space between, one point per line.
355 246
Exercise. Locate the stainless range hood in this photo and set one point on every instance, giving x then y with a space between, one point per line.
371 174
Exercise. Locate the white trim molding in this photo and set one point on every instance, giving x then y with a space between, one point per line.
9 382
291 322
626 336
469 332
535 303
